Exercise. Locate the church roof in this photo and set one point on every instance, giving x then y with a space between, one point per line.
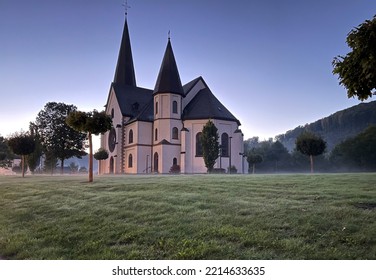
124 73
188 86
168 80
132 100
206 106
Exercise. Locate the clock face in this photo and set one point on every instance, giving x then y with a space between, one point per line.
112 140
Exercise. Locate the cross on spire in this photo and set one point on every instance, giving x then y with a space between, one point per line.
126 7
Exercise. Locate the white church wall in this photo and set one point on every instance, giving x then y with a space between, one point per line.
195 164
112 109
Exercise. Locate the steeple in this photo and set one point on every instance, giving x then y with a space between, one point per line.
168 80
124 73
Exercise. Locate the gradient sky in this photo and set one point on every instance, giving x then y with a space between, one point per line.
267 61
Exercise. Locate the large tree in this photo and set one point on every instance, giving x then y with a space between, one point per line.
91 123
253 159
357 69
22 144
357 153
311 145
33 159
210 144
56 136
5 152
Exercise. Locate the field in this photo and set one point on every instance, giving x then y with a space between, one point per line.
330 216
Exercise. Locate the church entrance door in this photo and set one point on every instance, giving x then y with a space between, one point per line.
111 165
156 159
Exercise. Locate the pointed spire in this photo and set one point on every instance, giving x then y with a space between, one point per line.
124 73
168 80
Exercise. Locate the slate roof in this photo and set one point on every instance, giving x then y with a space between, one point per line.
168 80
206 106
133 101
188 86
124 73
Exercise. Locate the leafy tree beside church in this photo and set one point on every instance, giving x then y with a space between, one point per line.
210 144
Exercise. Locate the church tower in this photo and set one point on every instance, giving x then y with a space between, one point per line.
167 95
124 81
124 73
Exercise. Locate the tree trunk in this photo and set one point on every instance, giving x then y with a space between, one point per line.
62 167
311 159
253 168
23 165
90 157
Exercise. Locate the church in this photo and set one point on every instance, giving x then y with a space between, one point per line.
156 129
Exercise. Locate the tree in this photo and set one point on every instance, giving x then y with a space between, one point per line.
5 153
22 144
33 159
56 136
356 153
210 144
101 154
311 145
357 69
92 123
253 159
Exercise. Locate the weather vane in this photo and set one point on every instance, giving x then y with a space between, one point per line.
126 7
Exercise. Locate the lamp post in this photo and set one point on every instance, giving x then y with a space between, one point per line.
220 157
229 169
243 156
147 164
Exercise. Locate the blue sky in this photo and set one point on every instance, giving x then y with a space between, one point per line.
267 61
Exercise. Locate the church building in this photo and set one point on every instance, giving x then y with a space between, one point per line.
155 129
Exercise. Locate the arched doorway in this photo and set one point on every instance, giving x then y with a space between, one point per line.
111 165
156 159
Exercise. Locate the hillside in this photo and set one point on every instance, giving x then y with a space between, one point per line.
336 127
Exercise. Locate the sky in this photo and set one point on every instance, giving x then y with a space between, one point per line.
268 61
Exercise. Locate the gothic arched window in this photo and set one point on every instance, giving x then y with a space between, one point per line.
199 144
175 133
130 136
224 145
174 107
156 134
130 161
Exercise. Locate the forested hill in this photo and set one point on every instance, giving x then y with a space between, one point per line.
337 127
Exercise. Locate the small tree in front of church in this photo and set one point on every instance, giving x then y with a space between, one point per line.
92 123
210 144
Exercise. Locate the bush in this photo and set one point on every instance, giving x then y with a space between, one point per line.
175 169
232 170
218 171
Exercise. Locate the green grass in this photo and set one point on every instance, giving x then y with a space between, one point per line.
330 216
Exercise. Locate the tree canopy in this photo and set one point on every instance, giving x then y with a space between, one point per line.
210 144
56 137
311 145
357 153
357 69
22 144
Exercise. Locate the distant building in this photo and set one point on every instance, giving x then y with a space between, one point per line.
156 129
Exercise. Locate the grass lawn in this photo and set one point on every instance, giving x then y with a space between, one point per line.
330 216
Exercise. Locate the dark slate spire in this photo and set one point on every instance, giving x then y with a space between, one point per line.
124 73
168 80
